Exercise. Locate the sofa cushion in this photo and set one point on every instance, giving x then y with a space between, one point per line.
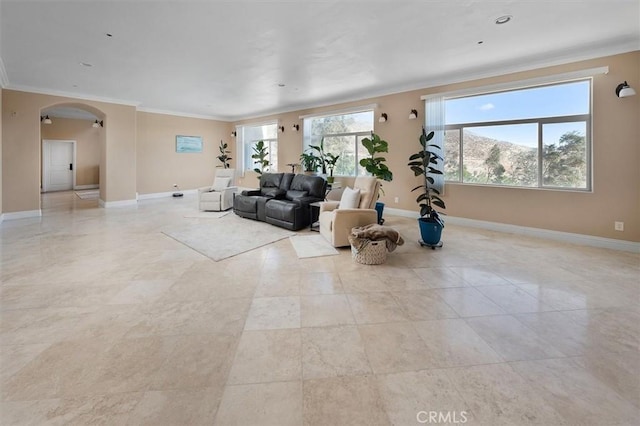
220 184
270 183
314 185
350 199
292 194
272 192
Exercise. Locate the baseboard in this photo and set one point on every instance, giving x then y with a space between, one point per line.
81 187
566 237
21 215
121 203
165 194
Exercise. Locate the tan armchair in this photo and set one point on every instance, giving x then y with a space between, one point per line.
336 222
219 196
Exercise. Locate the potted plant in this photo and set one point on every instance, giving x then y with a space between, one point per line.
331 160
321 155
224 155
423 164
376 165
310 162
261 157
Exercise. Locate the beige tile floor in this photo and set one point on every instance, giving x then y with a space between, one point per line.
104 320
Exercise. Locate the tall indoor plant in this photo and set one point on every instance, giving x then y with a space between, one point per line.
224 155
376 165
261 157
423 164
330 160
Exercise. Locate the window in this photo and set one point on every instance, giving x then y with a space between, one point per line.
534 137
246 139
342 136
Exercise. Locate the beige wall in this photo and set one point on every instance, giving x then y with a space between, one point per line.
616 158
21 148
159 166
87 146
1 211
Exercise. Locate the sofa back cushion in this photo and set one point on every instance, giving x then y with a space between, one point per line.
314 185
287 178
270 184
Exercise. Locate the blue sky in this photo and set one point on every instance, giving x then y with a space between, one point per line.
547 101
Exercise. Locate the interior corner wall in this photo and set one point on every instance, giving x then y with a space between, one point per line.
159 166
87 146
21 148
616 155
1 210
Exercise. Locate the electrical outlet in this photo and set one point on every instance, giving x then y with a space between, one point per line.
618 226
396 200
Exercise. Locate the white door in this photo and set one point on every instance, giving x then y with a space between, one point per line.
58 163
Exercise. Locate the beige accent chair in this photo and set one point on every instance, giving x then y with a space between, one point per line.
219 196
336 223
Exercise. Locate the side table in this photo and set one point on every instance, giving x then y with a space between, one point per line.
314 213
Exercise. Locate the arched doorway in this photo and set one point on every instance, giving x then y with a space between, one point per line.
72 139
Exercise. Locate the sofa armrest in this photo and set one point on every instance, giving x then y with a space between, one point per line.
305 201
251 192
328 206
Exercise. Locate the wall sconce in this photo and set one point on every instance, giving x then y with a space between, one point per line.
413 114
45 120
234 134
624 90
295 127
383 117
97 124
281 129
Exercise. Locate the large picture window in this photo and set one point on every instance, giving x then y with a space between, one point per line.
247 137
534 137
343 134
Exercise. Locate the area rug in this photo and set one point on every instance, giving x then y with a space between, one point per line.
90 194
207 215
226 237
312 246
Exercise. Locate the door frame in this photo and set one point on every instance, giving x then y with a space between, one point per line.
46 153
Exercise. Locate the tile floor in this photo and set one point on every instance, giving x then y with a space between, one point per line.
104 320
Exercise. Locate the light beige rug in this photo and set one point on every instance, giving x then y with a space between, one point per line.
207 215
226 237
312 246
89 194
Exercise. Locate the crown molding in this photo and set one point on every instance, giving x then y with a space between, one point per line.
4 78
182 114
82 97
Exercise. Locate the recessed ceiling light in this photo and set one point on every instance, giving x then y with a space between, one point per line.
503 19
86 64
109 34
281 84
480 42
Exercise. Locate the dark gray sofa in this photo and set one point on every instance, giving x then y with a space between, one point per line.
283 199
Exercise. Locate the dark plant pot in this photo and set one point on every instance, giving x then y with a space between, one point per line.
380 208
330 179
430 230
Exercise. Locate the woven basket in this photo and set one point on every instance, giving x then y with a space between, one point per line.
372 253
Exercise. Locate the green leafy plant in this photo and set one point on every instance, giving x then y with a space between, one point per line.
224 155
310 162
322 156
424 163
376 165
331 160
261 157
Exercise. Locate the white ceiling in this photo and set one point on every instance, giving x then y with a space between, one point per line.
225 59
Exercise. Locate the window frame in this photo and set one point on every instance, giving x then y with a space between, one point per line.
241 144
308 138
540 121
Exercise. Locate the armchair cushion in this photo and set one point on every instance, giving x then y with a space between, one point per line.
220 183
